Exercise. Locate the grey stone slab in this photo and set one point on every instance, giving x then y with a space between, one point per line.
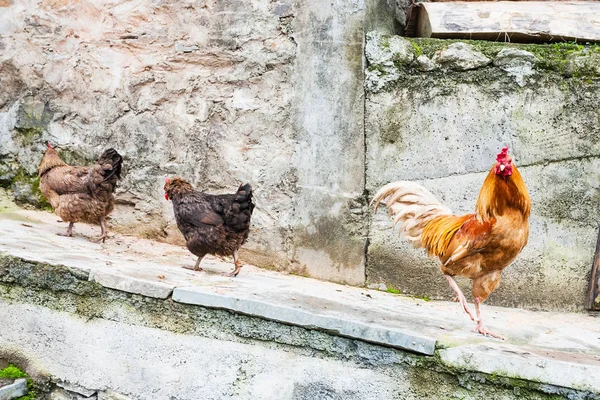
579 373
132 285
302 317
13 391
76 389
461 57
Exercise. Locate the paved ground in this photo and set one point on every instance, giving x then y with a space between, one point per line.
555 348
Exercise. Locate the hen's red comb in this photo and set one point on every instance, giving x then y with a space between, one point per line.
167 180
49 145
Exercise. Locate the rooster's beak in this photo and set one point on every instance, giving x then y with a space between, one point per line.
502 167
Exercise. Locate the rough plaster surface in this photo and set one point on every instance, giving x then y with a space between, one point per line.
218 92
444 129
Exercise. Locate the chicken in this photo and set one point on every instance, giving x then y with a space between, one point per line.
477 246
81 193
211 224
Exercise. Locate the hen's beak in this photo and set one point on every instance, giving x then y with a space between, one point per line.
502 167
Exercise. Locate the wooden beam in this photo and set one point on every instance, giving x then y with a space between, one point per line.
488 1
593 300
514 21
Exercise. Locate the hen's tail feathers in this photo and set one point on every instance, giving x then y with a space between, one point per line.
114 159
243 196
238 217
412 206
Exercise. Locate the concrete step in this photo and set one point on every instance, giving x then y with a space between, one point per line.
559 349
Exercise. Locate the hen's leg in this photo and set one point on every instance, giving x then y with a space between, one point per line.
238 265
479 328
195 267
69 232
459 294
103 232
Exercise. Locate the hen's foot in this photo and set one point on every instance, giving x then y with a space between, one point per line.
99 239
192 268
238 265
69 232
235 272
480 329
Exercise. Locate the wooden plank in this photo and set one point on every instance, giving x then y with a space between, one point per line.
593 300
514 21
488 1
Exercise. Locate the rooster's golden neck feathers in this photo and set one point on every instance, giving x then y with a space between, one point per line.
502 192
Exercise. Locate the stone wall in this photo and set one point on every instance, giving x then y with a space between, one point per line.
278 94
218 92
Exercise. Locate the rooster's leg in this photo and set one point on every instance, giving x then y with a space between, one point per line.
461 297
238 265
197 266
69 230
479 328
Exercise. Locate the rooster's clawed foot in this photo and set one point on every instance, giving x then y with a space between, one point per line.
480 329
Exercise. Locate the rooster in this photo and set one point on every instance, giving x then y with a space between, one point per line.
477 246
211 224
81 193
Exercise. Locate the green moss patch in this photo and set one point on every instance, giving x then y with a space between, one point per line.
557 57
12 372
580 63
28 135
26 190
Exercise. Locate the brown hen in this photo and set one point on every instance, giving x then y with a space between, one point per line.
81 194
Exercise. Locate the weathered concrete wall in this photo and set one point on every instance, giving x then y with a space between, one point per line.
218 92
272 93
329 234
68 332
444 127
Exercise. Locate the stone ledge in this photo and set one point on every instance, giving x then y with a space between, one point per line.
539 346
132 285
295 316
516 362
